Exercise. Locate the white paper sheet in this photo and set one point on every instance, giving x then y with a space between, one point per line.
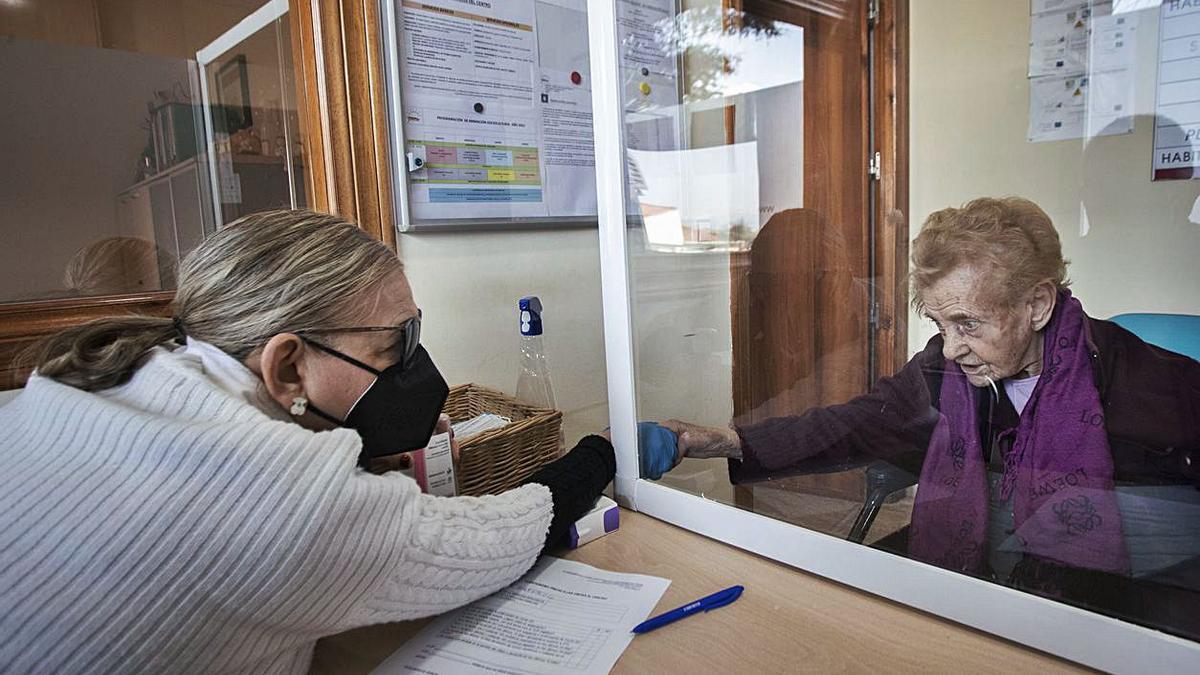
1075 106
1081 39
468 94
1058 40
497 103
477 425
1112 44
468 51
562 617
567 148
649 73
698 195
1177 96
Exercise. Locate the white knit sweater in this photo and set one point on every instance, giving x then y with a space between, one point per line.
170 525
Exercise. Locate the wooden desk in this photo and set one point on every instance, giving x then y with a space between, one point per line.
786 621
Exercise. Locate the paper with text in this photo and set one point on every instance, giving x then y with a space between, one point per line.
561 617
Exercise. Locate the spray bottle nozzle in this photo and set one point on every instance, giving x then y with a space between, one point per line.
531 315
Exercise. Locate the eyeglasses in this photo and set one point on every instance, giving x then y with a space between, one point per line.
404 346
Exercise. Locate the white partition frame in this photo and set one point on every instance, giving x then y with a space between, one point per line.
1085 637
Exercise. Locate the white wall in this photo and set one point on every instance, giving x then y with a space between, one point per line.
969 118
468 284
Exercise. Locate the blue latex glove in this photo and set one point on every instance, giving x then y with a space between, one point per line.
656 449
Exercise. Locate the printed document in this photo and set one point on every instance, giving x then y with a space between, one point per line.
1177 97
561 617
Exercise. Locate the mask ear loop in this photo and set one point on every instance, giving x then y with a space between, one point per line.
352 361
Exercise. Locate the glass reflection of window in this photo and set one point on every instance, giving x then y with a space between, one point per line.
252 129
104 103
713 103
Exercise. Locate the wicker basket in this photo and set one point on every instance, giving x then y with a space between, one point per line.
498 460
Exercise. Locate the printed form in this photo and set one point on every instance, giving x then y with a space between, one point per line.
561 617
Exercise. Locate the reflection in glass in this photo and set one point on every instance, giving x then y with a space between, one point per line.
106 183
1055 452
118 266
713 101
253 126
1028 442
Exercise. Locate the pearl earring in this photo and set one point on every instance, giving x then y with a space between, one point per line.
299 405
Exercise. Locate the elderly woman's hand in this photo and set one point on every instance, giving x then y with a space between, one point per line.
705 442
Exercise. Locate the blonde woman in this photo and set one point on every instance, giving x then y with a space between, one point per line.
185 495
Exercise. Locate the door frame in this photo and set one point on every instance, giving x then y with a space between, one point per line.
794 345
341 93
884 179
889 193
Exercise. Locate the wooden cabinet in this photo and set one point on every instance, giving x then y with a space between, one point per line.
134 214
173 211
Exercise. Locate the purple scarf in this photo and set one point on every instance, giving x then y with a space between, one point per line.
1059 470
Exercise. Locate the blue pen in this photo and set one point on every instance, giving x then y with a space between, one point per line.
718 599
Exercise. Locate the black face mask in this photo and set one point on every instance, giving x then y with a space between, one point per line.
399 411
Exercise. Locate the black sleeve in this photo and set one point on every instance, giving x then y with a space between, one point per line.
575 480
894 421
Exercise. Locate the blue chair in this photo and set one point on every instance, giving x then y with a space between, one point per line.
1179 333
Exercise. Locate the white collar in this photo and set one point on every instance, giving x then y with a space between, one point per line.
233 377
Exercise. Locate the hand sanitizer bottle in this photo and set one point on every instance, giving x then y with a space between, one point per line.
533 380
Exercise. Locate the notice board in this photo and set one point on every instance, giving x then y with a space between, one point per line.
493 103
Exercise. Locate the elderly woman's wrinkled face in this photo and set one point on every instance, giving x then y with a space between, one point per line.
986 341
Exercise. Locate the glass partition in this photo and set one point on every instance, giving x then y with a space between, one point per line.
252 125
107 180
1043 433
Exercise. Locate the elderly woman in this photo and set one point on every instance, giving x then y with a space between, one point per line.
1049 442
173 508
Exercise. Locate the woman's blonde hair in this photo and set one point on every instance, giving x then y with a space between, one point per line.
117 265
267 273
1010 240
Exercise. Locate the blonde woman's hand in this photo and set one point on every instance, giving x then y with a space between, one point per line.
381 465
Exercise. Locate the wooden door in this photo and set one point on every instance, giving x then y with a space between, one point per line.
812 325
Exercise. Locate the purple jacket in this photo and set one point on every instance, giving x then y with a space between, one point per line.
1151 399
